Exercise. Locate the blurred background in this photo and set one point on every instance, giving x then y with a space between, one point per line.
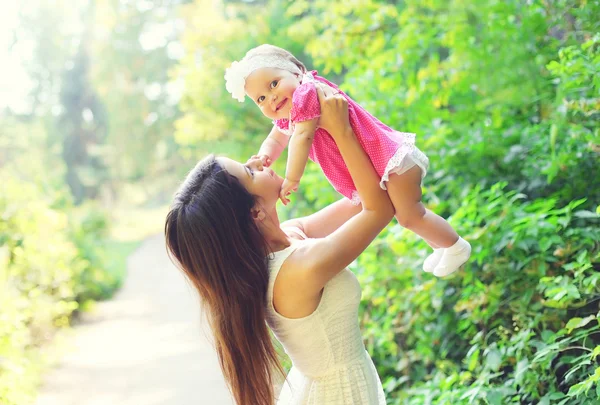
106 104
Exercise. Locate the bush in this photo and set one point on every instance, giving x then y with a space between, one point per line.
517 326
52 258
37 281
520 324
88 230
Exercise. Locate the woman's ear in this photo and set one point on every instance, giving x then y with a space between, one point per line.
258 214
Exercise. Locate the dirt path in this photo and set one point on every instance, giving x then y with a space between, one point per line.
145 347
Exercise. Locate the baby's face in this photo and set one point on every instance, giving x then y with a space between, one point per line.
272 89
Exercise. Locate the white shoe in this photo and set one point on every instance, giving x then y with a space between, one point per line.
432 260
453 257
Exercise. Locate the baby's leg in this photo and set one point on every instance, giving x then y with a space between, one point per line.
405 193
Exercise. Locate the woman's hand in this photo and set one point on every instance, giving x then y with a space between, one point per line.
334 110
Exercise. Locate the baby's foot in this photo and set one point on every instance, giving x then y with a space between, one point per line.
432 260
453 257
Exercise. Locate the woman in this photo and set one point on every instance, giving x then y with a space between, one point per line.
224 232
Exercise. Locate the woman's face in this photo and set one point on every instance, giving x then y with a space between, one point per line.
260 181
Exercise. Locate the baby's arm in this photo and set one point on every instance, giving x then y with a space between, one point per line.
272 146
298 150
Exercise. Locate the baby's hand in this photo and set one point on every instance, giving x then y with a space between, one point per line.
286 188
266 160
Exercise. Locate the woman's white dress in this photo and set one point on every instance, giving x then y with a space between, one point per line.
330 363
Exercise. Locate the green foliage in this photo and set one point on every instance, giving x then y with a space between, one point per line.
502 330
98 117
36 280
216 35
136 49
53 256
88 231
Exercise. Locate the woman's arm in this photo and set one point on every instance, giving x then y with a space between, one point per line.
322 259
273 145
325 221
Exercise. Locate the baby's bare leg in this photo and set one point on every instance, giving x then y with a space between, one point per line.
405 192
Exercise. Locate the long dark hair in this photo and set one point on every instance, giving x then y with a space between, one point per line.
212 237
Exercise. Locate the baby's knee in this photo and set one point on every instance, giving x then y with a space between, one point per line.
409 216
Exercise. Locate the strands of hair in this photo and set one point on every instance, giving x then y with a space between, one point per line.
211 236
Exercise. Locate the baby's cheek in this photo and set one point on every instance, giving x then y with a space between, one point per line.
265 112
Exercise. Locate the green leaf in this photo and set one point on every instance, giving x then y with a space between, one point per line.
495 397
547 336
494 359
553 136
553 66
575 323
586 214
522 366
595 352
473 360
577 389
582 256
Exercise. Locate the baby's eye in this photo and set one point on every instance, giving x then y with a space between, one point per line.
260 99
274 84
250 170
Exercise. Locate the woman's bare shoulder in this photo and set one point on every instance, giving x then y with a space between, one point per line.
294 295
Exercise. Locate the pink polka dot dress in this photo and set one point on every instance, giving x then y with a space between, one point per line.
390 151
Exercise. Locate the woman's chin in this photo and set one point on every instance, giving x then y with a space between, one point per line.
278 184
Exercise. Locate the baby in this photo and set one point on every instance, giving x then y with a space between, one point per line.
285 92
